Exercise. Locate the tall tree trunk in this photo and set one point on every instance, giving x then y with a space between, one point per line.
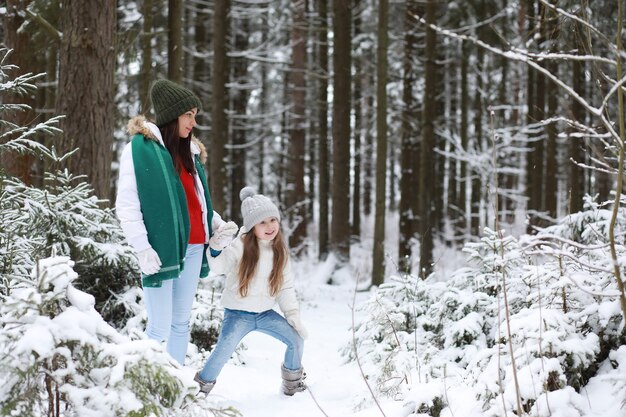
175 41
237 177
476 180
263 105
358 131
534 158
342 51
465 214
312 140
603 186
530 118
439 160
280 164
451 82
201 75
146 75
552 171
324 166
508 91
219 120
378 258
576 175
20 166
297 134
391 173
368 151
52 64
86 89
409 180
428 145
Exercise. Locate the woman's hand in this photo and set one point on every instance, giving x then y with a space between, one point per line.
149 261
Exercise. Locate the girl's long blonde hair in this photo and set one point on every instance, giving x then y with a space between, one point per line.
250 259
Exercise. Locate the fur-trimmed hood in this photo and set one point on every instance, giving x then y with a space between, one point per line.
141 125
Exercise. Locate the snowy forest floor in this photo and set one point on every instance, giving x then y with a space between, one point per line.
250 381
253 387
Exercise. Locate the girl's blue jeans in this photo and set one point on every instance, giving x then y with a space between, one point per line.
169 307
239 323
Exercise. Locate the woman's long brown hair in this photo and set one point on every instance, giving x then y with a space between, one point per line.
250 259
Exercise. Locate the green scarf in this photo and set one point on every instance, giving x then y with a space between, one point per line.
204 271
164 208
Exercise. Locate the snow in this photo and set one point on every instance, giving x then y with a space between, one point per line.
337 388
254 387
453 370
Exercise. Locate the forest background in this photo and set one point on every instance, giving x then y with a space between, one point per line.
342 109
444 117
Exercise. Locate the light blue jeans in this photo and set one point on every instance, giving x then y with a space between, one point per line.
239 323
169 307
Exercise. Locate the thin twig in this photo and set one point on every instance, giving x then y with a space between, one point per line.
356 353
315 400
504 291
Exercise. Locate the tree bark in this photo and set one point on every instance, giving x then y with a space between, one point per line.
296 202
465 213
201 75
237 177
20 166
534 158
552 165
576 175
378 258
146 76
427 148
409 179
340 224
86 93
219 120
175 41
324 166
368 152
358 131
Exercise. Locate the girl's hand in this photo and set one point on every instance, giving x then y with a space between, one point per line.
293 318
223 236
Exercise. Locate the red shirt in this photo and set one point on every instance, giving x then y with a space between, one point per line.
196 233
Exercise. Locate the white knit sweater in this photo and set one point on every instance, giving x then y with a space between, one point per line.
258 298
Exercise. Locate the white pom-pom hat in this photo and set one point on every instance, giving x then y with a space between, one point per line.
256 207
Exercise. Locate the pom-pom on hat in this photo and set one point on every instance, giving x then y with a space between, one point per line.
170 100
256 207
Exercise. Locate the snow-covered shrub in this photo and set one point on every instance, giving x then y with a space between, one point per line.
63 216
525 318
58 354
580 244
206 314
425 400
384 337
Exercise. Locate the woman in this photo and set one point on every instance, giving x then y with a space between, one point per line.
165 211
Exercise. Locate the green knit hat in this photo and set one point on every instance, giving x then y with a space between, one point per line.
171 100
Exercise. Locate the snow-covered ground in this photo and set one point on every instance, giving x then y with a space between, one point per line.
251 382
254 387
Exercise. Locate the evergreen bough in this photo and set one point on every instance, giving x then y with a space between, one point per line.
563 311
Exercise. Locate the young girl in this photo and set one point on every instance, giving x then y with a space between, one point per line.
258 275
